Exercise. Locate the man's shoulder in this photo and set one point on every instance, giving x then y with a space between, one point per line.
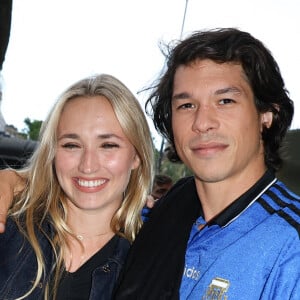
184 187
185 183
284 204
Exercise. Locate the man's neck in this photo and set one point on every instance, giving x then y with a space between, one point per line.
216 196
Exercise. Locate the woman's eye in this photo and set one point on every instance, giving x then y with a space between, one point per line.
70 146
110 145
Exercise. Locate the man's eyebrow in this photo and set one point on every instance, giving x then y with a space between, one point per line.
186 95
231 89
183 95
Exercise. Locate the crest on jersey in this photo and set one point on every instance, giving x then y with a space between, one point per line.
217 289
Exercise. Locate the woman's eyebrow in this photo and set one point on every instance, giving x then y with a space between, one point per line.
99 136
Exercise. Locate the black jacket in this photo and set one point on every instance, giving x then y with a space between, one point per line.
155 263
18 265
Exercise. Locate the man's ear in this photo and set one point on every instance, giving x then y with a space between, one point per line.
268 116
266 119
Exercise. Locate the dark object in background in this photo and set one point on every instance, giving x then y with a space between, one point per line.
14 152
5 24
290 171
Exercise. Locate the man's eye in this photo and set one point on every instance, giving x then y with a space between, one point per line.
226 101
185 106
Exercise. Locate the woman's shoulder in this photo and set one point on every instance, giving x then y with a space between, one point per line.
11 230
12 241
122 246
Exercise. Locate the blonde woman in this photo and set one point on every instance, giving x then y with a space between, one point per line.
69 230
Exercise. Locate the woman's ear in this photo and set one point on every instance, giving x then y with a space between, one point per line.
136 162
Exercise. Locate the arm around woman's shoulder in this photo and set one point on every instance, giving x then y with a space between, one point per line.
10 184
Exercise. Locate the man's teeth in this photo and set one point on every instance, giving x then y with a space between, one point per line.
90 183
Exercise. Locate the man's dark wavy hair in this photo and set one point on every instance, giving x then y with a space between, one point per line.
227 45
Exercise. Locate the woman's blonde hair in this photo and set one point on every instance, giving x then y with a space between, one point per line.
43 198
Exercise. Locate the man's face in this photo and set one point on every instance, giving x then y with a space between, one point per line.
216 126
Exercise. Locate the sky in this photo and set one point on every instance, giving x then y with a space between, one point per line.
54 43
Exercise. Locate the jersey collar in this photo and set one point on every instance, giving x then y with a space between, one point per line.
236 208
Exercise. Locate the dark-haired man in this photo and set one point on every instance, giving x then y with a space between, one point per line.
232 230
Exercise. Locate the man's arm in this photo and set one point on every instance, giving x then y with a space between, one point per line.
10 184
284 280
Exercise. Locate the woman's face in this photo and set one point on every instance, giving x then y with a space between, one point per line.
94 158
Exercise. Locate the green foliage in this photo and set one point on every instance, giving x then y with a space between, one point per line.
164 166
174 170
33 128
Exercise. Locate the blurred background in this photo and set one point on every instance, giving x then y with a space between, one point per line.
48 44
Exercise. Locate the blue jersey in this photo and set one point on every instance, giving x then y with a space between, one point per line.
250 251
